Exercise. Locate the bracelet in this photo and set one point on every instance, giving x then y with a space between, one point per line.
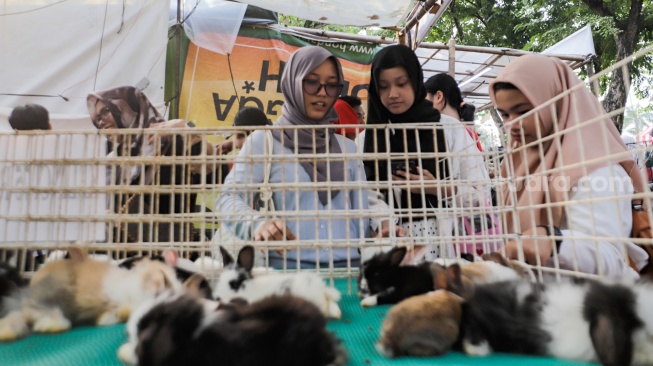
556 232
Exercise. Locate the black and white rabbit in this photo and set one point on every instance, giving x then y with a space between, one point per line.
383 280
593 321
186 330
236 280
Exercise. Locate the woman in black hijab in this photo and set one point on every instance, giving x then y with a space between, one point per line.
416 136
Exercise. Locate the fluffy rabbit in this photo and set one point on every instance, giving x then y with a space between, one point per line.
236 280
81 290
383 281
423 325
591 321
185 330
429 324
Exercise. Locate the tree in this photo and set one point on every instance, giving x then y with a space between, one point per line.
620 27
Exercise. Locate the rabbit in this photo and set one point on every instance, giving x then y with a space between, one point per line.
236 280
193 286
81 290
184 268
277 330
383 281
606 321
422 325
429 324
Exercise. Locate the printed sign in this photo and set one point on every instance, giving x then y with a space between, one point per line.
216 86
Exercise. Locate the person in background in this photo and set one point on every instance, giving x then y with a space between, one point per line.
30 117
311 83
442 90
250 118
127 107
557 156
350 112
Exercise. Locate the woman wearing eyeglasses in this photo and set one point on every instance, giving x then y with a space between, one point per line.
127 107
306 190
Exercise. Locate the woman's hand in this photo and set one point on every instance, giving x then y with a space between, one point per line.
274 230
170 124
385 229
533 248
402 177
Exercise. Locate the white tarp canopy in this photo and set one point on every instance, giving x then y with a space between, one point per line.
579 43
70 48
476 67
361 13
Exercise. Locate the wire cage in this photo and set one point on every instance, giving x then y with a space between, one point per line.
126 192
140 191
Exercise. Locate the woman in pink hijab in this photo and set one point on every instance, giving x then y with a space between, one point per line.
571 178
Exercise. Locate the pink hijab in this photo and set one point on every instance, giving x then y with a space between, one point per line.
542 78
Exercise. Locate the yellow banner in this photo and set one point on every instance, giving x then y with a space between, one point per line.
216 86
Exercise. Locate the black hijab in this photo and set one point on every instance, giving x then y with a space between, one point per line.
422 110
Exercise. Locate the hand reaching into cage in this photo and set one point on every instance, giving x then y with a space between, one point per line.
170 124
533 248
274 230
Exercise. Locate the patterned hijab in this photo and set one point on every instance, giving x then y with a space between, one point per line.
582 149
300 64
130 108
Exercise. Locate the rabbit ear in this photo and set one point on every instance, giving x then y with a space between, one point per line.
170 257
76 253
246 258
454 278
226 257
397 254
439 276
612 342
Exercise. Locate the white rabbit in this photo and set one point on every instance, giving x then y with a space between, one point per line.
236 280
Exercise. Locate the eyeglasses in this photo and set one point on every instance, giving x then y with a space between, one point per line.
312 87
104 113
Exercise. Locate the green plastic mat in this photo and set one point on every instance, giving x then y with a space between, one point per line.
358 329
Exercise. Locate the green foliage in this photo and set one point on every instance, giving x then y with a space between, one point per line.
535 25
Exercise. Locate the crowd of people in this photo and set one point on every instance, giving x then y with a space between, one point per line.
419 162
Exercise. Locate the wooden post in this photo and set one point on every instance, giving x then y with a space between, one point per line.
594 84
452 57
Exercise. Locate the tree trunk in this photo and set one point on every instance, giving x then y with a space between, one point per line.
498 122
626 41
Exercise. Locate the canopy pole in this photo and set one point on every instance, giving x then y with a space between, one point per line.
175 101
452 57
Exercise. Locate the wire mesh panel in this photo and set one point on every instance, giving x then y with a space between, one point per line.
326 208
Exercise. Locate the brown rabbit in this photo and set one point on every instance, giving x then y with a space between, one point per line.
423 325
80 290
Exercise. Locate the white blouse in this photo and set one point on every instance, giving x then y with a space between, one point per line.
597 224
